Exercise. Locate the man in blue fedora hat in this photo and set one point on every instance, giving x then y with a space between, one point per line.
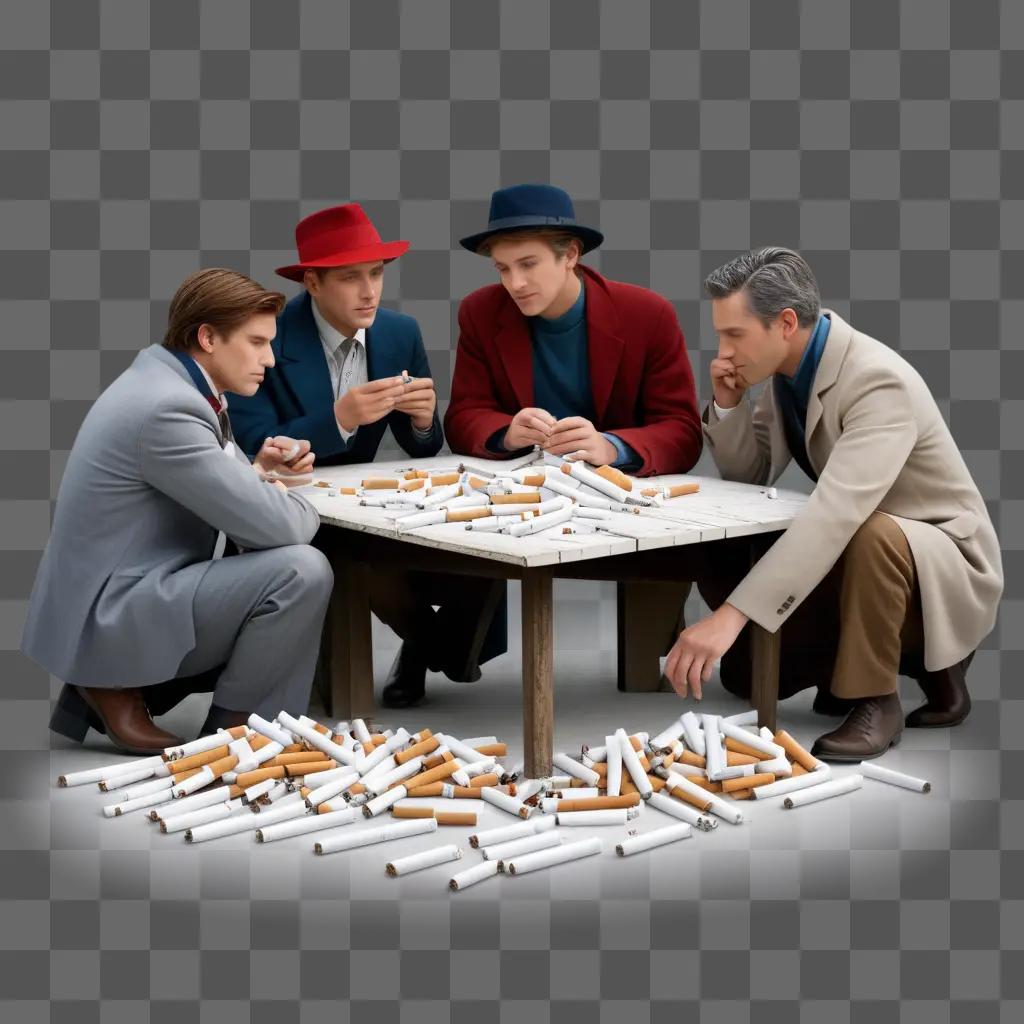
338 381
559 356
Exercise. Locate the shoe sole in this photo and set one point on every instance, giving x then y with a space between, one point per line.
895 742
936 725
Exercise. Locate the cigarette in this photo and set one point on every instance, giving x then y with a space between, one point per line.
387 799
683 811
870 770
91 775
615 476
424 747
632 764
298 769
517 498
248 779
128 806
754 743
833 787
600 803
185 764
199 746
243 822
379 755
612 816
794 751
439 496
793 784
652 840
684 789
379 484
504 802
675 491
689 770
123 779
467 515
664 738
317 796
317 740
444 479
613 754
541 522
574 768
438 774
506 833
347 839
556 855
305 824
595 481
219 794
477 873
201 817
421 519
779 767
525 844
270 730
729 772
424 859
490 524
693 734
747 782
382 777
732 758
412 485
490 779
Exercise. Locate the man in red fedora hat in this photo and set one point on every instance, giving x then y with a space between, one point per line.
558 356
338 382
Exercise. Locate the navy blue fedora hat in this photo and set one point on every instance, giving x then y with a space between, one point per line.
520 207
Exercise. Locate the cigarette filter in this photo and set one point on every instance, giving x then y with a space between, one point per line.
684 789
747 782
199 746
491 750
307 823
612 816
490 779
791 785
574 768
427 746
556 855
509 804
506 833
444 479
652 840
754 744
201 817
870 770
424 859
477 873
456 818
518 498
526 844
601 803
615 476
834 787
794 751
732 759
348 839
466 515
380 484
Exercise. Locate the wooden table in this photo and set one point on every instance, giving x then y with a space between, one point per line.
652 545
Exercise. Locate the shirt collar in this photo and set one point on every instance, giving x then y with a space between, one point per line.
330 336
213 388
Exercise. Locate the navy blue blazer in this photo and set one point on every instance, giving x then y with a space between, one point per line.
295 398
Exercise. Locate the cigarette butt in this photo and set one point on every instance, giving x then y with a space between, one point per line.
378 739
615 476
476 483
410 475
293 771
599 803
184 764
347 490
442 771
534 480
222 765
466 515
182 776
657 784
651 492
412 812
522 498
472 792
678 490
293 748
424 747
626 786
247 779
299 757
431 789
258 742
414 485
697 760
490 779
691 798
741 748
601 767
711 787
379 484
794 751
322 729
422 735
741 794
478 873
734 760
422 474
493 750
798 769
455 817
745 782
444 479
433 762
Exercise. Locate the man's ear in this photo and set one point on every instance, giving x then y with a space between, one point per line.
205 337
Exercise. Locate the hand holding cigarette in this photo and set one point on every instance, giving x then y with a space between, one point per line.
285 459
697 648
579 437
368 403
418 401
529 426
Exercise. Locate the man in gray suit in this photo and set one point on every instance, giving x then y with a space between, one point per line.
134 606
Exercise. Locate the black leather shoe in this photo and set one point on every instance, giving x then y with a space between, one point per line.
406 682
948 702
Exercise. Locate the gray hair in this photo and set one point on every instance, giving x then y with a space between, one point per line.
774 279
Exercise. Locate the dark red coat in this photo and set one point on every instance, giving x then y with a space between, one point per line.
639 373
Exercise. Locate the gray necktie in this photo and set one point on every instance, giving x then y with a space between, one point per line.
345 357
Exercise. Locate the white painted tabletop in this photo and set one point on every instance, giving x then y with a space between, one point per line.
720 509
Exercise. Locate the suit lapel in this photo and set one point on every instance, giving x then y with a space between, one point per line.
516 351
303 362
838 342
604 341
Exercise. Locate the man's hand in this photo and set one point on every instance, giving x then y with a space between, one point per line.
529 426
419 402
727 382
284 457
368 403
579 437
698 648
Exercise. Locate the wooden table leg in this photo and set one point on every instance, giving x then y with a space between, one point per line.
348 639
649 618
765 649
538 671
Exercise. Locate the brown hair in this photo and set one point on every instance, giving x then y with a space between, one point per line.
221 298
557 239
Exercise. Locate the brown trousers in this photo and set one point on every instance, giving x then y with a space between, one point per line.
854 634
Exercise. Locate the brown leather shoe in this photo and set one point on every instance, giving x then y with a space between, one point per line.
826 703
870 729
947 701
125 720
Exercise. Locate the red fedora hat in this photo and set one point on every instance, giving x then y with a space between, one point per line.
338 236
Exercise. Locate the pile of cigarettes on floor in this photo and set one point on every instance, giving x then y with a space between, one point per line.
551 499
295 777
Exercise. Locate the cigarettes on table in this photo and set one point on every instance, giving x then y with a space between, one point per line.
506 833
652 840
554 856
478 873
610 816
304 825
425 859
525 844
346 839
675 491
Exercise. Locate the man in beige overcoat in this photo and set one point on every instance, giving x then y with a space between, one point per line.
892 563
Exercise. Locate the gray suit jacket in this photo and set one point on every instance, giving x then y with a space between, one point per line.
146 490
